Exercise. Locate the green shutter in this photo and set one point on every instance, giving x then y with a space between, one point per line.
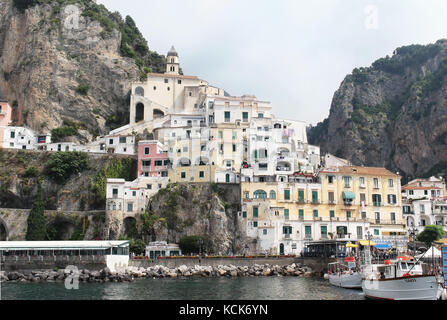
315 196
286 194
332 213
244 214
286 213
308 230
301 213
348 214
301 196
255 212
316 213
324 230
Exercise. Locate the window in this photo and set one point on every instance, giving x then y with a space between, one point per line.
110 141
149 187
183 175
13 134
255 224
301 213
129 207
134 193
324 231
166 162
331 197
234 148
301 196
377 214
158 163
362 181
260 115
287 230
392 199
244 116
347 181
122 139
185 149
308 232
314 196
348 214
169 89
146 150
255 212
227 116
179 81
332 214
201 174
244 214
376 232
286 214
376 183
330 179
363 198
287 194
359 232
260 194
422 208
264 232
377 200
391 183
166 80
220 134
272 194
393 217
247 195
315 213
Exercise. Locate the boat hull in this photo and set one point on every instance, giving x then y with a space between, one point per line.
349 281
408 288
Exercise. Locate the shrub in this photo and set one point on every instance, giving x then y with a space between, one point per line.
195 244
31 172
62 165
83 89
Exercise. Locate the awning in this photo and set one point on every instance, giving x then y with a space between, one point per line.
383 246
347 195
350 245
367 243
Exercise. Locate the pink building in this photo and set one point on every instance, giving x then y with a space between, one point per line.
5 113
152 160
5 118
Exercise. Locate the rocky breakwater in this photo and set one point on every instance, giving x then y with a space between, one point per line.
132 273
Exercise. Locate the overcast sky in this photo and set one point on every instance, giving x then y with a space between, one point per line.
292 53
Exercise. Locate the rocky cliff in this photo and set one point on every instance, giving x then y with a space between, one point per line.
392 114
71 60
207 210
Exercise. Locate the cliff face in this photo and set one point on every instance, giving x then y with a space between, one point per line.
69 61
206 210
392 114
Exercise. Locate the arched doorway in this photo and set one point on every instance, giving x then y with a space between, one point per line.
158 114
3 231
227 178
139 112
281 249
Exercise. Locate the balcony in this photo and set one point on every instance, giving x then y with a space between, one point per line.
377 204
146 168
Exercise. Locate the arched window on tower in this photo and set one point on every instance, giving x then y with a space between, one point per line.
172 60
139 91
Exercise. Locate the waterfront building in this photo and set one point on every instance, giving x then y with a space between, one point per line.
131 198
41 254
153 161
162 249
425 203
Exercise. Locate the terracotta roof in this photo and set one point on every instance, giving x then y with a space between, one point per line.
164 75
408 187
367 171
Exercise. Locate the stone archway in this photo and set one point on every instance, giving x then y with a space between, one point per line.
139 112
130 227
4 234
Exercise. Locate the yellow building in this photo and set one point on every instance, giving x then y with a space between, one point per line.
347 202
197 173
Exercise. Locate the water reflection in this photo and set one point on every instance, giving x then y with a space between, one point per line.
272 288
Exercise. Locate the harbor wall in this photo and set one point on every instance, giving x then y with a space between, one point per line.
174 263
28 263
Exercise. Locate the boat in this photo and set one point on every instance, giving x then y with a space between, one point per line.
345 275
400 279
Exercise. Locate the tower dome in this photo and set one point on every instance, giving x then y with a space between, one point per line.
172 52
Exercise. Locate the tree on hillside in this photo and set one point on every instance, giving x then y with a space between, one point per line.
431 234
36 220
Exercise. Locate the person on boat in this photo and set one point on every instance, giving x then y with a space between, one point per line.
382 275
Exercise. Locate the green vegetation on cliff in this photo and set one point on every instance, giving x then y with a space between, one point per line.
36 220
62 165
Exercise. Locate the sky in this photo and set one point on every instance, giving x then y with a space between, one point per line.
292 53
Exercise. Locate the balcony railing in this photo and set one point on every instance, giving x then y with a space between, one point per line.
377 204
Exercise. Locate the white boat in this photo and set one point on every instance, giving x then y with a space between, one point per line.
403 279
345 275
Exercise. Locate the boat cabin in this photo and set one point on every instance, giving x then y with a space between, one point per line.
395 269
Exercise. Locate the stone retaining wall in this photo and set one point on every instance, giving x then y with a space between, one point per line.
174 263
49 263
